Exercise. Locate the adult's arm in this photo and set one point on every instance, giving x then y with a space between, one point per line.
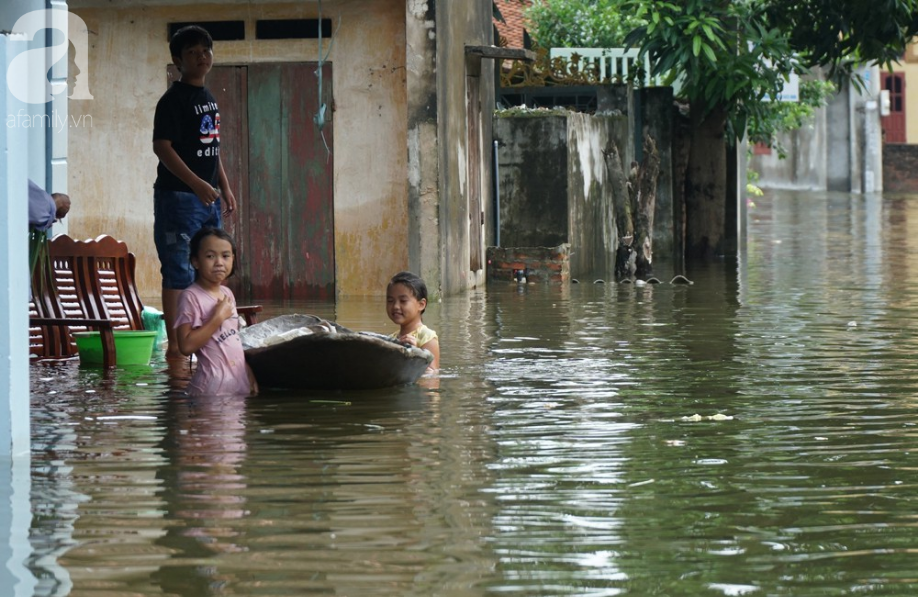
42 208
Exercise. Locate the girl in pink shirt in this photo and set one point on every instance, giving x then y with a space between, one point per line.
207 323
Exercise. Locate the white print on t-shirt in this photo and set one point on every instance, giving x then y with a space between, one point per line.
205 108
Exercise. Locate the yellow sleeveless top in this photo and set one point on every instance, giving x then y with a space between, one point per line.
423 334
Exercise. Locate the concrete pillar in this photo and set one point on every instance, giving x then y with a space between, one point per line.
423 151
15 481
14 279
838 148
873 132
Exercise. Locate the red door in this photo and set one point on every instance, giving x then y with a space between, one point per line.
894 124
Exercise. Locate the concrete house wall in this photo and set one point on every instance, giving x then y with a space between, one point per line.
400 129
461 25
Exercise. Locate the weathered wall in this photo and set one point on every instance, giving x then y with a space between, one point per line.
805 166
592 231
112 166
533 180
554 185
462 24
900 162
423 155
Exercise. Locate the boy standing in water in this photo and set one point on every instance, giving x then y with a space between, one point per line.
191 188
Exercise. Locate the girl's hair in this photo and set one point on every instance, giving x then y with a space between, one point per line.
413 283
200 235
189 36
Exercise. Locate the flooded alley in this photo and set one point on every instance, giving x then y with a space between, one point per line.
749 434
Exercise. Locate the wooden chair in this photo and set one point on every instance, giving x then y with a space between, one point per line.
90 285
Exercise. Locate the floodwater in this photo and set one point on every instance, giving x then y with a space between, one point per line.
751 434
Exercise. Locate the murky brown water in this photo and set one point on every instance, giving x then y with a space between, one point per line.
558 453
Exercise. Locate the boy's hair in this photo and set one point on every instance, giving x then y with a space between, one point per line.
188 36
413 283
195 244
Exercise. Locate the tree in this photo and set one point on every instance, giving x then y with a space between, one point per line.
734 53
580 23
839 33
730 59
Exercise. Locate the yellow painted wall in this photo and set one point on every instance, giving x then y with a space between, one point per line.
112 166
910 68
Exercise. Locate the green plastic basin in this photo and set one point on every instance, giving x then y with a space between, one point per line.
131 347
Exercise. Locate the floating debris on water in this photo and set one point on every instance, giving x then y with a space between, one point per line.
717 417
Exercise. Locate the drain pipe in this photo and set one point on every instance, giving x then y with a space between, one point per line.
496 170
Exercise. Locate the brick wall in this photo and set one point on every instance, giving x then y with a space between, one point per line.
549 265
900 168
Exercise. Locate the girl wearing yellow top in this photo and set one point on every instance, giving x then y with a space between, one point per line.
406 300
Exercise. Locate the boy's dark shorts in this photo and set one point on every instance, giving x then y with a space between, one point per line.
177 216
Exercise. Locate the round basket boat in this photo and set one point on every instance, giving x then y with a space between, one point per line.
307 352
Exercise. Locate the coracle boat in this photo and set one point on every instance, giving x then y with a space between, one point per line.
307 352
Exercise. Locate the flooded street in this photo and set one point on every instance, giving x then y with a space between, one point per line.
753 433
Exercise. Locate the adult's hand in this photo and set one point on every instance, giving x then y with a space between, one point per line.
62 204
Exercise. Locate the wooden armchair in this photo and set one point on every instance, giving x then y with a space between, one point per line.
90 285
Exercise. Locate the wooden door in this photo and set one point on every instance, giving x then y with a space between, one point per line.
285 226
894 124
229 85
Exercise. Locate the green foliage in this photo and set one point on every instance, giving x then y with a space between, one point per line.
729 55
841 33
752 189
580 23
770 119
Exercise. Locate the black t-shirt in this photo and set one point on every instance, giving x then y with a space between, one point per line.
188 116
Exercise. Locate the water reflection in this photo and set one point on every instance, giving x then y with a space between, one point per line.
204 489
749 434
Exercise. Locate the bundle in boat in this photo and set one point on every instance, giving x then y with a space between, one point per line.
299 351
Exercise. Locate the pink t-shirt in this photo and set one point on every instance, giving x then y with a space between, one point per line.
221 362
